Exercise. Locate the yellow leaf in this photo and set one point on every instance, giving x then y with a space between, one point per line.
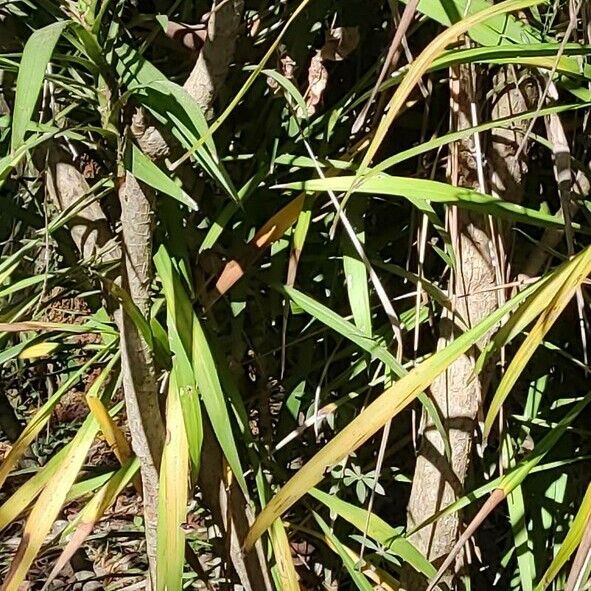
172 502
110 430
426 58
288 577
373 418
564 288
38 350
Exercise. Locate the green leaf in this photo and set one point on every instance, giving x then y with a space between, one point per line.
357 576
195 351
418 191
36 55
377 529
143 169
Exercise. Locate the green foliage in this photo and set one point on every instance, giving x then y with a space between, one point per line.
302 275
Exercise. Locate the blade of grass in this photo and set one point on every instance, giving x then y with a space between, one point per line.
36 56
422 190
172 502
197 352
571 542
579 268
288 577
373 418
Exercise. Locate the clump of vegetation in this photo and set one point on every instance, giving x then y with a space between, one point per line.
294 294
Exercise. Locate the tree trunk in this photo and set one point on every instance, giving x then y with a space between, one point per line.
137 364
479 249
90 231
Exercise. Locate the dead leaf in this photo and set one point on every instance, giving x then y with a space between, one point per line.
340 43
287 66
317 81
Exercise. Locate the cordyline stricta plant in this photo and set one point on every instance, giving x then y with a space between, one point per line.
294 295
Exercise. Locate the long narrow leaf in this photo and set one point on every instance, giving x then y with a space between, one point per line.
373 418
36 56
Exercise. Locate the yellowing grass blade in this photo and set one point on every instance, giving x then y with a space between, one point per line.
579 269
42 416
570 543
113 434
38 350
579 572
526 314
172 503
426 58
48 505
288 578
372 419
92 512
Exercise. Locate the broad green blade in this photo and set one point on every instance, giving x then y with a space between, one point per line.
36 56
356 278
419 191
143 169
192 349
373 418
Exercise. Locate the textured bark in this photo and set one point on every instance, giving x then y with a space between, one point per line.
215 56
90 231
66 187
137 364
437 482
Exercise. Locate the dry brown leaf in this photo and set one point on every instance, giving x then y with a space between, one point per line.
340 43
317 80
287 66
